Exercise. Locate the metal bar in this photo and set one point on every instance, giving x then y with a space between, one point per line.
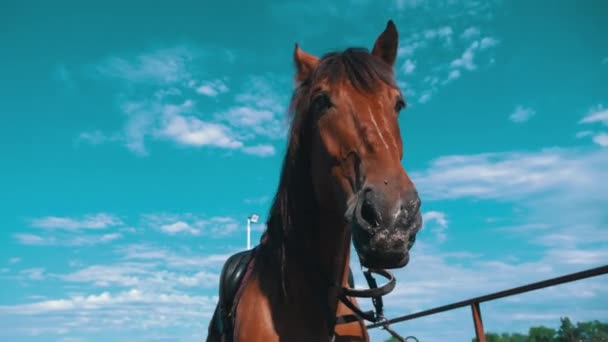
593 272
479 332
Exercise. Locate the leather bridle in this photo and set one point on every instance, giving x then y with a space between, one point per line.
375 293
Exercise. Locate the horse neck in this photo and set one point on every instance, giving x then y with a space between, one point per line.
323 247
318 266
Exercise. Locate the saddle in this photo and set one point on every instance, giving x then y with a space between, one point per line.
231 278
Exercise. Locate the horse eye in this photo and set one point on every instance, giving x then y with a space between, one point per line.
399 105
321 102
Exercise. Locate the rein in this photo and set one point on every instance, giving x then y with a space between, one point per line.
375 293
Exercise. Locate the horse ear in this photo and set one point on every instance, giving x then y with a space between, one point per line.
305 63
387 43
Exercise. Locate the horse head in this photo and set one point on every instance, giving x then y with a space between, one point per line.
348 105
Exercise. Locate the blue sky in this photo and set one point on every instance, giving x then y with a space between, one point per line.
137 138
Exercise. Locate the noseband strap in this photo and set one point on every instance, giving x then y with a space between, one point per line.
374 292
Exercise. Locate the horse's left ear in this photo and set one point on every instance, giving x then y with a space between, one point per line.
387 43
305 63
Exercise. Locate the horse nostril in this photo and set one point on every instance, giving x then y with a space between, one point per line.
369 212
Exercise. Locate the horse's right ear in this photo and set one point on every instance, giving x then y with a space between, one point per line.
305 63
386 44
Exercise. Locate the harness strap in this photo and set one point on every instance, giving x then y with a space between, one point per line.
374 293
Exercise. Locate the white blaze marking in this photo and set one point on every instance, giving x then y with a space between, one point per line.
377 128
393 138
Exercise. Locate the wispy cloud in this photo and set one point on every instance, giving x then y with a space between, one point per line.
512 174
260 150
179 227
583 134
71 231
97 137
191 131
445 68
438 224
95 221
466 60
169 113
601 139
408 67
33 273
145 276
143 286
191 224
212 88
597 115
65 240
172 259
522 114
470 33
160 67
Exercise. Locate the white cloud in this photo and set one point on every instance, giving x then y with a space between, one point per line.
596 115
33 273
96 221
408 49
522 114
212 88
408 67
487 42
440 71
512 174
65 240
140 120
583 134
438 223
259 111
454 74
165 92
194 132
601 139
260 150
179 227
160 67
471 32
249 117
97 137
170 75
442 32
106 299
14 260
191 224
107 313
425 97
29 239
466 59
171 259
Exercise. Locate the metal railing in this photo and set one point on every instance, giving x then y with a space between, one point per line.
474 302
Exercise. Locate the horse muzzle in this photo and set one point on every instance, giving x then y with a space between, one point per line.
383 232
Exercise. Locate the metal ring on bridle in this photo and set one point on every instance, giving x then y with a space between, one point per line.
377 292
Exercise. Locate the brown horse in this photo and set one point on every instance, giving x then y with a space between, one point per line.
342 178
